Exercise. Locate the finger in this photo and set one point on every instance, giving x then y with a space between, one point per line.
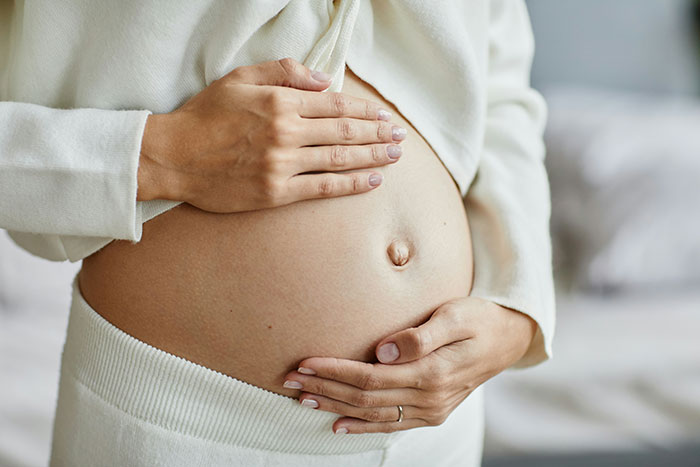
343 130
370 414
367 376
283 72
328 185
338 104
351 394
342 157
355 426
414 343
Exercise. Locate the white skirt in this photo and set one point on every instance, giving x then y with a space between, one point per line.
123 402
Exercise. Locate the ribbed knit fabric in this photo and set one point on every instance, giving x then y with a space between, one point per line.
123 402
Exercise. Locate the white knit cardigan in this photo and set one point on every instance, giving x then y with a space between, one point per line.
78 80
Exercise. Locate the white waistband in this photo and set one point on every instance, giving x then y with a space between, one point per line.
184 397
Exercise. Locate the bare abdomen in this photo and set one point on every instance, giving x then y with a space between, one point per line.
251 294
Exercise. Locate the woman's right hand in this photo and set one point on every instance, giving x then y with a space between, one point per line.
246 141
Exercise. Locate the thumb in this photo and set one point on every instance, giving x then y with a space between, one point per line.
283 72
414 343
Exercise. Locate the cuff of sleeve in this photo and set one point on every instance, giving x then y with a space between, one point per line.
115 211
105 150
138 220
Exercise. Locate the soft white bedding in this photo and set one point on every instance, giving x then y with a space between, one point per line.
625 376
625 183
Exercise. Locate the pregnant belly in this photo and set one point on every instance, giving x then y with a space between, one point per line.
251 294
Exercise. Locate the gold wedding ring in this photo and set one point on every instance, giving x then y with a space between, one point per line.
400 413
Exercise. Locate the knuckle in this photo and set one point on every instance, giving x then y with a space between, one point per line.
337 370
426 383
279 130
331 372
274 163
369 112
449 311
370 382
420 341
383 131
373 415
278 101
237 74
363 399
339 103
417 381
321 390
339 156
378 153
429 381
346 129
438 376
268 161
326 187
271 188
436 372
289 64
356 183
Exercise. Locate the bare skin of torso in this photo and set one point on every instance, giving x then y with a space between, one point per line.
251 294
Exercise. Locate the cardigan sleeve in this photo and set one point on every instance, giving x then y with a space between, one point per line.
70 171
508 204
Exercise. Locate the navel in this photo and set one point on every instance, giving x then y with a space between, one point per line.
399 252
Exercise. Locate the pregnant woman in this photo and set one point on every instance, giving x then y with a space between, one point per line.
281 266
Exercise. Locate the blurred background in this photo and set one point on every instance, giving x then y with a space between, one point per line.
622 80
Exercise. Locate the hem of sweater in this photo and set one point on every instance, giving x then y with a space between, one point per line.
450 149
77 248
181 396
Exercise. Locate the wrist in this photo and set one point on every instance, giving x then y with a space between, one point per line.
156 177
522 329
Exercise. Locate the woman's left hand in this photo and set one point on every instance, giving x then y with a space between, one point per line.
429 370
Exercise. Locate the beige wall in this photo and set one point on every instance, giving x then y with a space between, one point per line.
638 45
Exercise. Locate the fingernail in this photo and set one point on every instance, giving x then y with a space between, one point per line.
306 371
394 151
341 431
320 76
388 353
398 133
292 384
383 115
309 403
375 179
